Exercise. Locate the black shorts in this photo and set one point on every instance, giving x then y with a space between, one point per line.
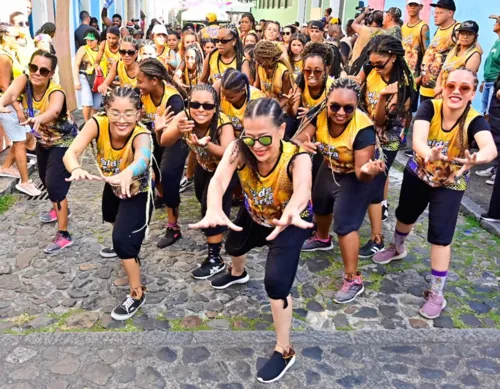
52 171
172 163
444 205
282 258
348 199
379 180
129 219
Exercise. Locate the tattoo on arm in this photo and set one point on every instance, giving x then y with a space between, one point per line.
235 152
140 166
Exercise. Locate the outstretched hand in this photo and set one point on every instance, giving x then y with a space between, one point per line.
162 120
435 155
214 218
467 162
289 218
79 174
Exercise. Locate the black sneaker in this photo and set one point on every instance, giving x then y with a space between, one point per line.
185 184
108 252
385 212
409 153
276 367
485 216
370 249
227 279
208 268
171 236
127 308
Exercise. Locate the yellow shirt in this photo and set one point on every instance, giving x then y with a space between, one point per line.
149 108
125 79
88 61
434 58
186 78
309 102
236 114
267 196
25 52
413 44
109 58
338 153
273 87
114 161
454 62
17 68
218 67
297 68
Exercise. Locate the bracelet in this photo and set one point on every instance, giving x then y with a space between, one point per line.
78 167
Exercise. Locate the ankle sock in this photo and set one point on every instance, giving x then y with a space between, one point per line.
399 240
175 226
65 234
214 250
438 279
320 239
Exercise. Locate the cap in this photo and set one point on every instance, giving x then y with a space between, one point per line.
317 24
446 4
469 25
188 26
90 36
395 11
159 29
211 17
334 21
419 2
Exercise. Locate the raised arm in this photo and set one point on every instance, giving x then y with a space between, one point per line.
104 16
98 58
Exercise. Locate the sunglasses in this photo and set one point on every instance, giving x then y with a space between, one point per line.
44 72
23 24
462 88
127 52
197 105
378 66
287 33
258 29
348 109
265 140
223 41
317 72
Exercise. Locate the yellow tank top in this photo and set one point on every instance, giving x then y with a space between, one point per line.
187 78
164 55
236 114
113 161
89 60
109 58
17 68
442 173
267 196
61 131
297 68
338 153
308 101
218 67
273 87
125 79
454 62
434 58
206 160
413 45
149 107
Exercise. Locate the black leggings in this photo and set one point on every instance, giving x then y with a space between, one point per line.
202 179
129 218
282 258
380 179
52 171
172 163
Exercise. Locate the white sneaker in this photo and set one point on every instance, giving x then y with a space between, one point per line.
9 172
487 172
491 181
28 188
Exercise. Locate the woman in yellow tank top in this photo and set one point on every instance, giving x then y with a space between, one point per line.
109 49
437 176
295 49
207 132
276 179
466 53
344 186
189 72
126 69
124 164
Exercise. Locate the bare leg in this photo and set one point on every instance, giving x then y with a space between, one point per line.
440 257
172 215
21 160
214 239
87 113
238 265
62 215
375 215
282 319
323 224
191 165
386 188
133 271
349 248
404 228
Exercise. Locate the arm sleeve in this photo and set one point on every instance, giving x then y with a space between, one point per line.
425 111
176 104
478 124
364 138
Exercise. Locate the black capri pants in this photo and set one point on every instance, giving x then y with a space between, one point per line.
282 258
202 179
172 163
52 171
380 180
444 205
348 199
129 219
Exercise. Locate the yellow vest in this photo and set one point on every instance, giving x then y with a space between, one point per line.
309 102
125 79
187 79
90 59
109 58
149 107
413 45
297 68
236 114
218 67
272 88
454 62
338 153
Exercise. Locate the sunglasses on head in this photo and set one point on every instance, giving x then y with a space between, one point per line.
265 140
462 88
316 72
379 66
223 41
197 105
23 24
127 52
44 72
348 109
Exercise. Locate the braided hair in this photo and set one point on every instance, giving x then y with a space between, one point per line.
198 59
238 48
236 80
132 40
214 123
295 37
42 53
152 68
123 92
270 50
250 57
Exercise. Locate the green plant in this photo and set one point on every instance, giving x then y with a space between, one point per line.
6 201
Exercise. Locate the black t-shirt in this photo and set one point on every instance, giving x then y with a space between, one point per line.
176 104
80 34
478 124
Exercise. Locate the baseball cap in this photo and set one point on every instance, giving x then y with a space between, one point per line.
211 17
469 25
446 4
90 36
317 24
159 29
419 2
395 11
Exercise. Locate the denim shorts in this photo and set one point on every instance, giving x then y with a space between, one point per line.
89 98
10 123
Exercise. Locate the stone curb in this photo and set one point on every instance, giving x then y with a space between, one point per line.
468 207
8 185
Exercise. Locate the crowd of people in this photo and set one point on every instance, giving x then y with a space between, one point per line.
298 125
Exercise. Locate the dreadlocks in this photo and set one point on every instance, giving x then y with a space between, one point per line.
152 68
214 123
198 64
271 52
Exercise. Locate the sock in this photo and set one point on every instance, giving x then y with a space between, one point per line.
214 250
384 203
438 279
399 240
175 226
65 234
321 240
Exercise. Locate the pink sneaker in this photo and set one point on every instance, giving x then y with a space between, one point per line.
388 255
349 290
60 242
433 306
49 217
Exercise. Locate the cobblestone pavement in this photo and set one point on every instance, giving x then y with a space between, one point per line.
405 359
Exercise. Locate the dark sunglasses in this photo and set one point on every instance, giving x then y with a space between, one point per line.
223 41
316 72
265 140
378 66
462 88
287 33
197 105
348 109
127 52
44 72
24 24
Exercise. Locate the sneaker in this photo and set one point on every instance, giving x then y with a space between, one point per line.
10 172
487 172
491 181
60 242
484 216
433 306
349 290
51 216
388 255
409 153
371 248
108 252
28 188
208 268
314 244
277 366
227 279
385 212
186 183
171 236
127 308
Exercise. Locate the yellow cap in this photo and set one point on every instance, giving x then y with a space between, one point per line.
211 17
334 21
